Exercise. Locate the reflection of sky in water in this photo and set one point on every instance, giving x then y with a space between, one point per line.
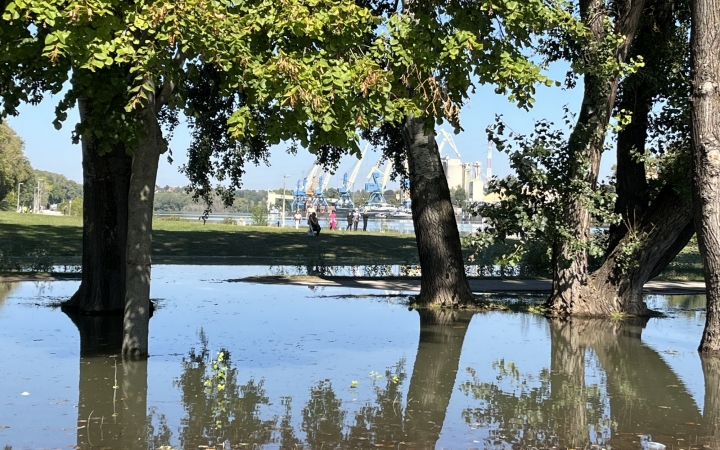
290 336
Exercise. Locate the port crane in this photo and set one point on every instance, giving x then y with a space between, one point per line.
447 138
376 202
345 202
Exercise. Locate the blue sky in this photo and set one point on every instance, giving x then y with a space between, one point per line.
50 149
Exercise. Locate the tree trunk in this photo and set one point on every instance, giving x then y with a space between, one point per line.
105 198
443 281
705 116
139 238
631 186
442 334
616 287
586 145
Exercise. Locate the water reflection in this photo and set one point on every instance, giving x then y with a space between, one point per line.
595 383
112 404
637 393
5 290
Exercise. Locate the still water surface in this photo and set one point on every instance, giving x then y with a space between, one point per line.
346 368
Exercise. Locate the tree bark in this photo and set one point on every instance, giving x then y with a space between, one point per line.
105 198
570 272
631 186
139 238
616 287
442 334
705 116
442 279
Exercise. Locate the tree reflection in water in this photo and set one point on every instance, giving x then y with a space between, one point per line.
218 408
562 406
638 394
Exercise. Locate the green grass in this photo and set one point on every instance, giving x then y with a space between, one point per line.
686 266
185 242
192 242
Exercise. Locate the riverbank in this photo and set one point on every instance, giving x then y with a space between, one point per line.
43 243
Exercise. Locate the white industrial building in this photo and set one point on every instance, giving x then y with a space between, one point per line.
462 174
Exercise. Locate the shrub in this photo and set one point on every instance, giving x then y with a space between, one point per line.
259 216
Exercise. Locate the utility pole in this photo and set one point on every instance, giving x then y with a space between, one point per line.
283 211
38 196
18 197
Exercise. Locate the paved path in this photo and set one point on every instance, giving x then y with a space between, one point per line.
480 286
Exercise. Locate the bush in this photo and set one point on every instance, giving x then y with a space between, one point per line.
229 221
259 216
75 210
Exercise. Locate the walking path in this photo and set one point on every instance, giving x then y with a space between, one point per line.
413 284
480 286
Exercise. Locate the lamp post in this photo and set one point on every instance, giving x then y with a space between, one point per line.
18 197
38 193
283 211
70 213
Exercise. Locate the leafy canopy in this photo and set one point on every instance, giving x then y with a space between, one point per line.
309 71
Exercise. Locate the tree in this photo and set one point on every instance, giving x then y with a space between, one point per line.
431 53
458 196
651 220
14 166
438 77
128 68
59 188
706 157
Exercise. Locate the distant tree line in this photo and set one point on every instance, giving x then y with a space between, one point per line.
16 171
177 199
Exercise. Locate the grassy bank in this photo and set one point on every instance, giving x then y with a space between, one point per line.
185 242
57 240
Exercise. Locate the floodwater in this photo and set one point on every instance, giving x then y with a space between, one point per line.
238 365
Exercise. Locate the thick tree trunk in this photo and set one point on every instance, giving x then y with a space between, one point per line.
705 116
442 334
570 272
631 187
616 287
105 198
139 239
443 280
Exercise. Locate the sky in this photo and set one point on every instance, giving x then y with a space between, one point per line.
52 150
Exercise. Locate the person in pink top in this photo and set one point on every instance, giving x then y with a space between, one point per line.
333 220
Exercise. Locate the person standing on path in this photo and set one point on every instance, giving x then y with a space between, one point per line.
333 220
365 217
297 217
356 219
349 220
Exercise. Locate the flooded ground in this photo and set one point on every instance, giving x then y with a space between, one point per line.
238 365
